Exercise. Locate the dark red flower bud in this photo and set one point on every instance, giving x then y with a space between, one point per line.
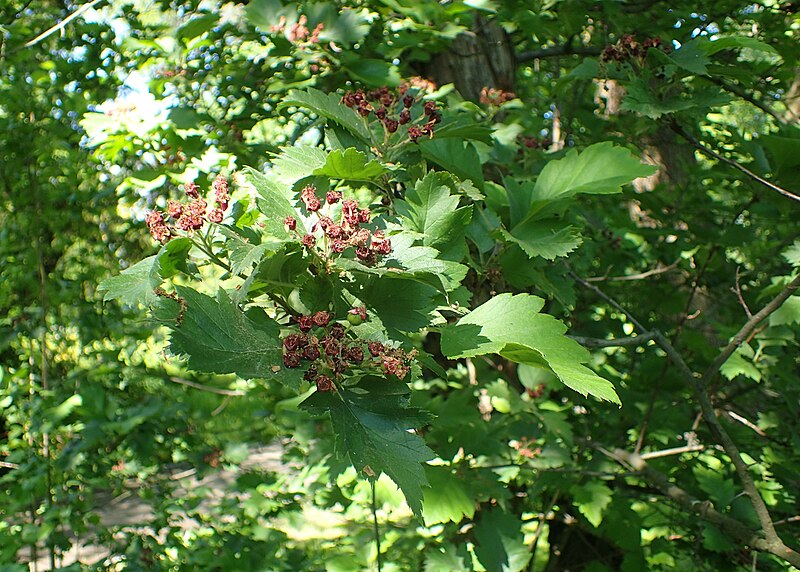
291 359
375 348
332 197
311 373
430 107
363 215
311 353
292 341
350 211
404 117
336 331
305 323
309 241
380 113
322 318
391 124
338 245
332 346
216 216
387 99
290 222
364 253
220 186
364 109
324 383
414 133
408 101
359 311
356 354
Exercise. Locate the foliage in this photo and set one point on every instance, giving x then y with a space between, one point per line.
456 316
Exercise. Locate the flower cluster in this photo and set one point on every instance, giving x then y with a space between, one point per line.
298 32
493 96
394 108
331 352
629 47
191 215
339 235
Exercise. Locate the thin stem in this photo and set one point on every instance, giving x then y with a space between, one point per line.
378 560
735 164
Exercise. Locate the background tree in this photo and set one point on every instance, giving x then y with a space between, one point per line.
682 286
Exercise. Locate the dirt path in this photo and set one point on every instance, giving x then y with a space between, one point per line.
128 509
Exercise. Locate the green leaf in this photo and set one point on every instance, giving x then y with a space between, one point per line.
788 313
464 128
500 545
370 71
172 257
601 168
330 107
592 498
133 285
432 211
274 203
371 424
295 163
741 363
792 254
548 238
350 164
692 56
455 156
446 500
713 46
217 337
513 327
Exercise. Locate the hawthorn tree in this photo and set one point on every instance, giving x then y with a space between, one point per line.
513 284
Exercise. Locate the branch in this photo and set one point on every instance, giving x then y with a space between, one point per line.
773 541
563 50
748 97
673 451
632 277
705 509
713 370
736 165
61 25
617 343
217 390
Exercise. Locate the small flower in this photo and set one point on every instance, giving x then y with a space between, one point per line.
408 101
332 197
192 190
311 373
158 229
309 197
174 209
294 341
363 215
356 354
375 348
337 331
321 318
414 133
404 117
381 244
360 311
309 241
380 113
290 223
338 245
305 323
216 216
331 346
221 194
350 211
391 124
311 353
364 253
291 359
324 383
430 107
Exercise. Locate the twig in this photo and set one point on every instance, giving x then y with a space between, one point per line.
738 91
673 451
641 276
746 422
735 164
208 388
378 560
61 25
5 465
738 291
614 303
618 342
713 370
563 50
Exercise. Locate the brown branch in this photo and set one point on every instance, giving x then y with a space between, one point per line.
748 97
704 509
555 51
673 451
631 277
713 370
772 542
735 164
616 343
